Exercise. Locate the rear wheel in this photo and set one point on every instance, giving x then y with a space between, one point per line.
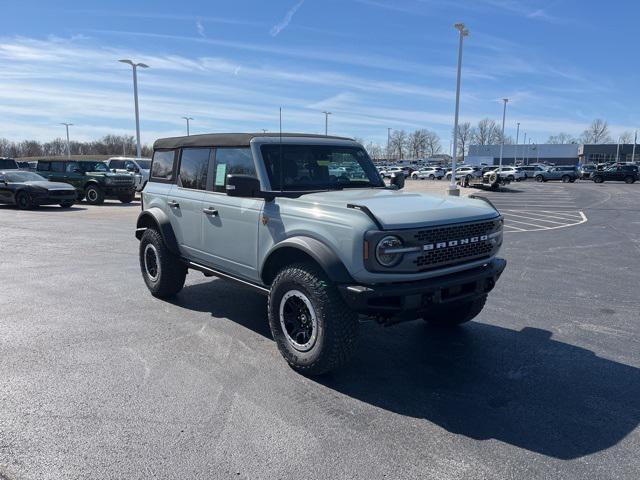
598 179
539 178
629 179
94 194
456 313
566 178
432 177
162 271
313 327
23 201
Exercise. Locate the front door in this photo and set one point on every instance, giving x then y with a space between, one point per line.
230 224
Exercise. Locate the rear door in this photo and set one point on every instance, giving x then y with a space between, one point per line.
73 176
57 172
185 200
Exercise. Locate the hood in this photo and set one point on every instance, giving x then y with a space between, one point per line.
50 185
395 209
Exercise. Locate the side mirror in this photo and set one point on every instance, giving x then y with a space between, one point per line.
243 186
397 181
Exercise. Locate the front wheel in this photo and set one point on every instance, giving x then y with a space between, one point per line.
432 177
566 178
94 195
23 201
128 198
313 327
598 179
539 178
629 180
162 271
456 313
414 177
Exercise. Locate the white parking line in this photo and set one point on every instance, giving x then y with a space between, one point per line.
509 215
583 219
556 214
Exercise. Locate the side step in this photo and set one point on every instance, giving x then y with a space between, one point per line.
217 273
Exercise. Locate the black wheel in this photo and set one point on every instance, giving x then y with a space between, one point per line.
629 179
162 271
511 178
598 179
67 204
94 194
452 314
414 177
539 178
23 201
573 180
432 177
566 178
128 198
313 327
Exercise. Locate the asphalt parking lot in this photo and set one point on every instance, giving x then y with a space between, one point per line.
101 380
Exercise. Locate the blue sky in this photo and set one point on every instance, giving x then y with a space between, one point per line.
373 63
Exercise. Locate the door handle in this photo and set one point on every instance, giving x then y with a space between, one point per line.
210 211
173 204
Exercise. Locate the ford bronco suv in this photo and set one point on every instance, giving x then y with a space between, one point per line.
308 221
91 178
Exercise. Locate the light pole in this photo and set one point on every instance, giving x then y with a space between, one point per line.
618 151
326 123
188 119
524 145
388 144
633 152
504 117
67 125
264 130
135 98
453 189
515 154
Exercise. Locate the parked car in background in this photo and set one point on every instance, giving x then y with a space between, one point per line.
586 171
91 178
531 170
389 172
511 173
139 167
620 173
432 173
465 171
28 190
565 174
8 164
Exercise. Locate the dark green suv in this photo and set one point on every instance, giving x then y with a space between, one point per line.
91 178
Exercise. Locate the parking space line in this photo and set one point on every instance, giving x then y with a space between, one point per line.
558 215
541 228
575 215
509 215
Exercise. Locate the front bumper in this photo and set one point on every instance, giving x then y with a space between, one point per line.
53 197
410 299
117 190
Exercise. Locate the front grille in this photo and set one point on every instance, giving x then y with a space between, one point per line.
456 232
122 180
454 254
61 193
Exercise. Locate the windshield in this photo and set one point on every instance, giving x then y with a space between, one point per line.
93 167
144 164
319 167
23 177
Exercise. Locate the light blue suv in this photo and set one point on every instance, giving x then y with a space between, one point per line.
308 221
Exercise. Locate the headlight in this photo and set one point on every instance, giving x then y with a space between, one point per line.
385 253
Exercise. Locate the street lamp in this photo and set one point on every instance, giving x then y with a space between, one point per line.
326 123
515 154
388 144
453 189
633 152
524 147
504 116
67 125
135 98
188 119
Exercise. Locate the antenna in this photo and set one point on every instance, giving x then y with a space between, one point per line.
281 166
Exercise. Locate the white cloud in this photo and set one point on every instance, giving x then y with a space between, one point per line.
200 29
284 23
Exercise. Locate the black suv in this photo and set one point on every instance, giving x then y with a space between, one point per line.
619 173
91 178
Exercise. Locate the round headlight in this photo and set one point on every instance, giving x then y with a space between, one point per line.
384 256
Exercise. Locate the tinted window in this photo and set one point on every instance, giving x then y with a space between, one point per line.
44 166
232 161
119 164
8 164
71 167
162 166
194 165
57 166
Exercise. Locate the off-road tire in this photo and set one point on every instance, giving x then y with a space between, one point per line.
94 195
67 204
23 201
127 198
337 324
456 313
171 271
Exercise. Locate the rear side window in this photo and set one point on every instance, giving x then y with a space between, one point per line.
44 166
163 164
57 166
118 164
194 165
230 161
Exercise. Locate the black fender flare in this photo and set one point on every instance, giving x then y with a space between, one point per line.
324 256
155 217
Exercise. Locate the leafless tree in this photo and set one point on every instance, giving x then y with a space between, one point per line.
464 135
486 133
562 138
432 141
416 143
626 137
375 151
108 145
399 143
597 132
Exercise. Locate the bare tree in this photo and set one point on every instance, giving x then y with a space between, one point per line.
5 146
416 143
464 135
626 137
597 132
562 138
486 133
108 145
432 143
399 142
375 151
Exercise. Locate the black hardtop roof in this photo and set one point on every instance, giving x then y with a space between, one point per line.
229 139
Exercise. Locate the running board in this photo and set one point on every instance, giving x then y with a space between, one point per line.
226 276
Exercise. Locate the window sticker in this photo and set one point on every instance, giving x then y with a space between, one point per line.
221 170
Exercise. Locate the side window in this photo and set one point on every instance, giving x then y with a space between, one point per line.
44 166
57 167
232 161
162 166
129 165
71 167
117 164
194 164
